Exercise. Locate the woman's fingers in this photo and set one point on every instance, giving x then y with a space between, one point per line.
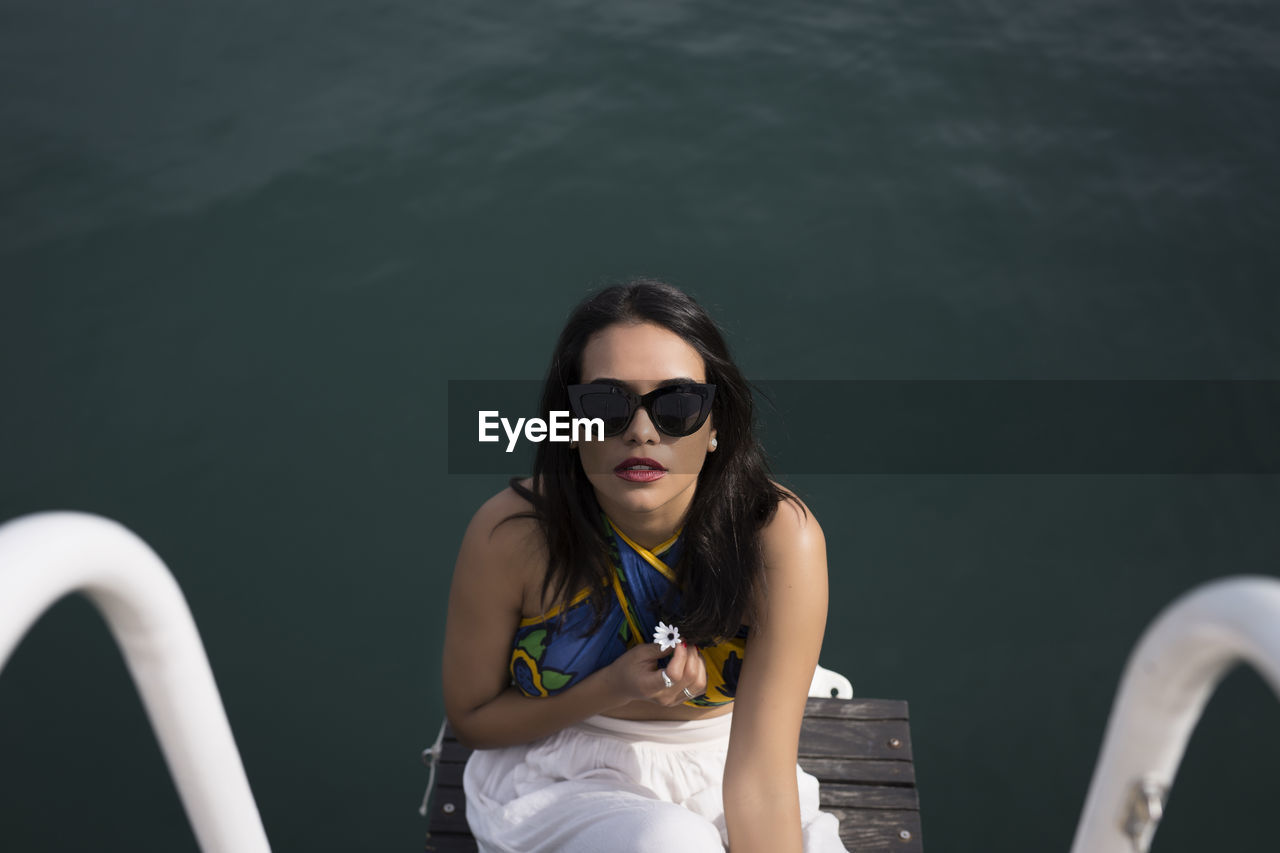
676 666
687 671
668 678
698 672
647 652
695 675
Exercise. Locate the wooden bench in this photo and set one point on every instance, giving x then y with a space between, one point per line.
859 749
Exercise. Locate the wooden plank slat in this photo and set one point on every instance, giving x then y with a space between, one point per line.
451 750
834 795
451 844
449 810
856 709
888 739
870 771
879 831
868 797
450 773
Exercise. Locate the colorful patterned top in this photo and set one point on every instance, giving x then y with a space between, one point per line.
554 651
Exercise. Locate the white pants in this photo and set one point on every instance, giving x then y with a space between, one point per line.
617 785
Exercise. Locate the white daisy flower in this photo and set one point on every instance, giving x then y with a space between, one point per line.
666 636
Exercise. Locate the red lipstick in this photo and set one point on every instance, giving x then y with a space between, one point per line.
640 469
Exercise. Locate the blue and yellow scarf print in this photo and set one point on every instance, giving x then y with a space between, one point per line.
555 651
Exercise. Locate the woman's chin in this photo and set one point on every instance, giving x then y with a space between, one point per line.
638 500
630 497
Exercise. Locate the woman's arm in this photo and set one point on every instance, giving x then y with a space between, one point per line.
493 569
761 798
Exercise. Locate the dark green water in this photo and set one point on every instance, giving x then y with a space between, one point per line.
244 246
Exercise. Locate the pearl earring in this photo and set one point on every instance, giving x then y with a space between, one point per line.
714 444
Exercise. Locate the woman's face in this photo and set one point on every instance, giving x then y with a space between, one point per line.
641 356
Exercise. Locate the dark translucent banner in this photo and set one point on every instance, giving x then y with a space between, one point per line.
810 426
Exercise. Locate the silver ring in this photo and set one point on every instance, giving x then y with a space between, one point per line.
687 693
666 679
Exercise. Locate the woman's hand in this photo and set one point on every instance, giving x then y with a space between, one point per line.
636 674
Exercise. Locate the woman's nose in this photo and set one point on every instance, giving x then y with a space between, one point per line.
641 427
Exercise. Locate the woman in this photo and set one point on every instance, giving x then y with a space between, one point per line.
587 735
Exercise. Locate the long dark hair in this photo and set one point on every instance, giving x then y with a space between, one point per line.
721 568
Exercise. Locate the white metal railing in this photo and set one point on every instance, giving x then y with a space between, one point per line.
1169 678
46 556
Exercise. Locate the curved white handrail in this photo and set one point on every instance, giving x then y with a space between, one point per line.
1169 677
45 556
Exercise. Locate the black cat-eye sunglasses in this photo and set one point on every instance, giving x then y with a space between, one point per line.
677 410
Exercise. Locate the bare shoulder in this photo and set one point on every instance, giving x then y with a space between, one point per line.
792 530
501 540
795 568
